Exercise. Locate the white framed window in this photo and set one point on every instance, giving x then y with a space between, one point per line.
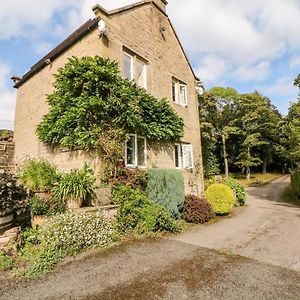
128 66
179 92
187 156
135 69
141 73
184 156
178 157
135 151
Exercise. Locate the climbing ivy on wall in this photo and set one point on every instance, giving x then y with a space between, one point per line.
92 101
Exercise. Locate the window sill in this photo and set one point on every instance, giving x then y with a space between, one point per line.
181 105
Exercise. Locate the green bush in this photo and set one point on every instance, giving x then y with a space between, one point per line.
38 175
238 189
75 232
78 184
295 180
221 198
166 187
67 234
90 93
197 210
6 262
13 196
135 178
139 213
48 207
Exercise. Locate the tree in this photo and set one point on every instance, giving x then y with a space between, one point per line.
218 112
252 108
289 132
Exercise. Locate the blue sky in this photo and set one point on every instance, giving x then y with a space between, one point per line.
244 44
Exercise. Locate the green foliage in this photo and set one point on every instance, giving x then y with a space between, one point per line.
238 189
48 207
64 235
91 98
6 262
78 184
135 178
197 210
289 132
13 196
139 213
6 134
218 114
221 198
166 187
75 232
38 175
295 180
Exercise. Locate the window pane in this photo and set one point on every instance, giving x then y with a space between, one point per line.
187 156
141 151
140 74
130 150
127 66
183 97
177 156
174 96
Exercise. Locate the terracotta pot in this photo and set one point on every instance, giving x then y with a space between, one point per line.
74 203
43 195
6 219
39 221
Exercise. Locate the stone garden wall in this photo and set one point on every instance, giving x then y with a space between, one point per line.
7 149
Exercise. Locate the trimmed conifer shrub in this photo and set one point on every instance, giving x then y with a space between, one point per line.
197 210
221 198
166 187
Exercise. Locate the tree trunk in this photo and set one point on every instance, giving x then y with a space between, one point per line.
248 174
225 157
264 170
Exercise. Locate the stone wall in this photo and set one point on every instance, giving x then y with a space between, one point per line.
7 155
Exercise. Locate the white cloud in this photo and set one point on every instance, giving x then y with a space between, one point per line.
256 72
294 62
239 31
281 87
212 68
7 99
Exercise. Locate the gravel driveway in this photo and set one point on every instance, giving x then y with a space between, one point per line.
267 229
182 267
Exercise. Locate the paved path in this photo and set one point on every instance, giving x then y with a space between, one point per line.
179 267
267 229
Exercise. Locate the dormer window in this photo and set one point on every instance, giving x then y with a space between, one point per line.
179 92
135 68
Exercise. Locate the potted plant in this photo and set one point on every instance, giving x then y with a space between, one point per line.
13 198
42 210
39 176
75 187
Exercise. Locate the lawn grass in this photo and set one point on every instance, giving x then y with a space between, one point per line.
256 178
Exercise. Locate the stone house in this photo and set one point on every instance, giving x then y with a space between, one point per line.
141 38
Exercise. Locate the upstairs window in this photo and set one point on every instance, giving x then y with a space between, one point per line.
135 69
128 66
135 151
179 92
184 156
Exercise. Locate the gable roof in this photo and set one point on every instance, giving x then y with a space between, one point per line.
87 27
